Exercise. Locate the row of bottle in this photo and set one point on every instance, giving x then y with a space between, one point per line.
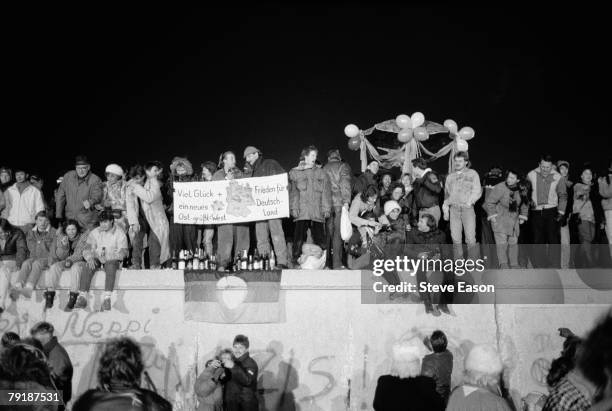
194 260
199 260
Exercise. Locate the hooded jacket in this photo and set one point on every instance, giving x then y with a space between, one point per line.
310 196
71 194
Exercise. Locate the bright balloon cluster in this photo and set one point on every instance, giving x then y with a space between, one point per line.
411 127
462 136
353 133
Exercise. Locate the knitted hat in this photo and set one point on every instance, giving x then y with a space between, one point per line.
390 206
485 359
250 150
114 169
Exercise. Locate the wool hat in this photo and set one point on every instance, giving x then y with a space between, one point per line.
390 206
250 150
114 169
485 359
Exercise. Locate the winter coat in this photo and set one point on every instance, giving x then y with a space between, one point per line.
153 209
40 245
241 387
60 366
310 196
548 191
497 205
339 174
15 248
264 168
605 191
72 192
462 188
439 366
587 203
113 243
175 178
21 208
121 399
73 251
364 180
413 393
427 190
209 390
432 242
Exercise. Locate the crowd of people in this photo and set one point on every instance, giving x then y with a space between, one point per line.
127 220
580 379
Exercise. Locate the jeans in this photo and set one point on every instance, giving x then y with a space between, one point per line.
274 228
507 249
53 275
299 236
110 269
154 248
31 270
7 269
231 236
463 220
566 250
333 235
608 214
182 237
586 235
545 230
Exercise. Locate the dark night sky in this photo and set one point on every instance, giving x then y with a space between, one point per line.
133 85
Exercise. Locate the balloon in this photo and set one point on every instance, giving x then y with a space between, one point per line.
418 119
351 130
421 134
405 135
403 121
354 143
467 133
451 125
462 145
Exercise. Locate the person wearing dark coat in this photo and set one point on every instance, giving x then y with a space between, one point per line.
429 242
264 167
119 375
404 389
339 173
439 364
427 189
367 178
240 392
13 252
182 236
57 357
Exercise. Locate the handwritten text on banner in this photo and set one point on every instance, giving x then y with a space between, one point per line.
231 201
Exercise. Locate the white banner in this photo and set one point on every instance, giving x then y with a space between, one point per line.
231 201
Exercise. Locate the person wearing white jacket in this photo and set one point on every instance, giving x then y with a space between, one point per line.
23 202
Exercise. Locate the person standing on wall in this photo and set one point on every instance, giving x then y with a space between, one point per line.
263 167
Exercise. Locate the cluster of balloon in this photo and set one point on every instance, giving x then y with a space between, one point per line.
462 136
411 126
352 132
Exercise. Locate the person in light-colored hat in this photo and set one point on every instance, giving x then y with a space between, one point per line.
480 389
403 388
114 195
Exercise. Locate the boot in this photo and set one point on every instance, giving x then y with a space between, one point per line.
106 304
444 308
49 297
71 301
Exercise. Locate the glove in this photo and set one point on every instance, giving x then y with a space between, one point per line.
559 217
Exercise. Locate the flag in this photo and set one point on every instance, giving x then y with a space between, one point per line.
246 297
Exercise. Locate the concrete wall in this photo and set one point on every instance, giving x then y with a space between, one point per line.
327 344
